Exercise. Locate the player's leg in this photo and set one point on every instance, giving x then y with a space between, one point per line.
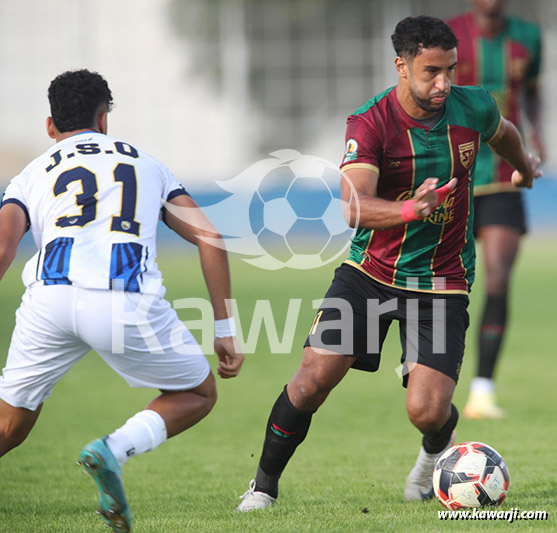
340 327
500 248
15 425
433 348
154 350
499 222
428 404
429 407
167 415
181 410
42 349
290 418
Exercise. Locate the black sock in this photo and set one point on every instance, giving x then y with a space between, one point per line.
435 442
287 427
492 329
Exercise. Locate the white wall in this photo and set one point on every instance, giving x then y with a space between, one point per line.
202 131
182 121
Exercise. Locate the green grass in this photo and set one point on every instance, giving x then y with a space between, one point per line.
359 450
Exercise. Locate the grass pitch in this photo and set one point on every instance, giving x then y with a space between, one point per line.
349 473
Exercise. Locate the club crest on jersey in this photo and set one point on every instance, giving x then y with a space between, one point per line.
351 150
467 153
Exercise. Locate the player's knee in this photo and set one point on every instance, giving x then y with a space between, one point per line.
497 279
211 398
428 419
318 387
307 391
204 396
497 285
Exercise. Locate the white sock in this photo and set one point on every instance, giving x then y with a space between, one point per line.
141 433
482 385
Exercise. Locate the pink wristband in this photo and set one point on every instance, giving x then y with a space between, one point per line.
407 212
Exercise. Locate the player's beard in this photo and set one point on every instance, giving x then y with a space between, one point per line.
425 103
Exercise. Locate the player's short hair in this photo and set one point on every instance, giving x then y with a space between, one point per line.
412 34
75 98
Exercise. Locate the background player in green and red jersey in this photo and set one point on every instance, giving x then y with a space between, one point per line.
408 177
502 54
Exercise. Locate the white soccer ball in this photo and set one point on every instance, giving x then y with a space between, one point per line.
471 474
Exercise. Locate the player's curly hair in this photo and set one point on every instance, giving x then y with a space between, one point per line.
414 33
75 98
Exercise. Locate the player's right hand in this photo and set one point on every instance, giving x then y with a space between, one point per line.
428 197
230 357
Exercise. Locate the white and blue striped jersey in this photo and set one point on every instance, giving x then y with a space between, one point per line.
93 203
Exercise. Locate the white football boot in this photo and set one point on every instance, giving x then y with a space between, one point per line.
253 500
419 483
482 405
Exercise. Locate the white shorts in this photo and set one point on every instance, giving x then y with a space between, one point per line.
138 335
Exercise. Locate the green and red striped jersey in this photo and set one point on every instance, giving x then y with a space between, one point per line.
437 253
504 65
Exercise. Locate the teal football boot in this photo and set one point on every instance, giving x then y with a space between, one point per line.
101 465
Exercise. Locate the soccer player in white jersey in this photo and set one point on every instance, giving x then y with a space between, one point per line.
92 203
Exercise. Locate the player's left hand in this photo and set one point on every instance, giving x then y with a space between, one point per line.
428 197
526 179
230 357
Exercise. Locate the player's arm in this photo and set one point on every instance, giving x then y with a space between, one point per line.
365 210
193 225
13 225
508 144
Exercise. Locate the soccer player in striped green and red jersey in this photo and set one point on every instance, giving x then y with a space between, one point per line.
407 177
502 54
403 152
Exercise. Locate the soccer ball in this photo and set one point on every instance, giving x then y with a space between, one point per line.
296 214
471 474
